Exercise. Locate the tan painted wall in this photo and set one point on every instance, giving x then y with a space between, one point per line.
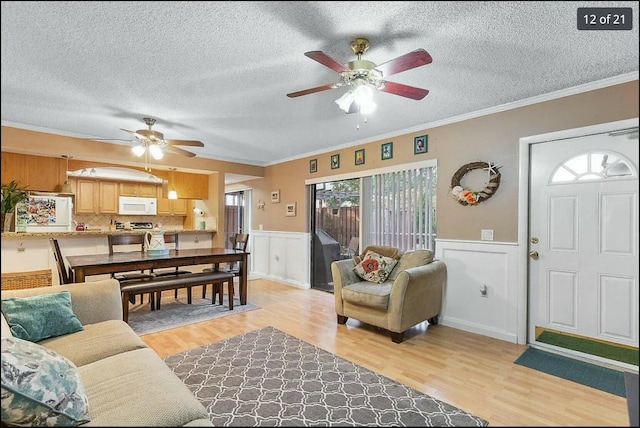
492 138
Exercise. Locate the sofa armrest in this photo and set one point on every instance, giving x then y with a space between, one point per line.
92 302
416 295
343 275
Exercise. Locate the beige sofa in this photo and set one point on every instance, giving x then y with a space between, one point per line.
126 382
410 295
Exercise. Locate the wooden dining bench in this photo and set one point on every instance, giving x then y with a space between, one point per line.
157 284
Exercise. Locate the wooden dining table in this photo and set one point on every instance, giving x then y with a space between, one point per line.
127 261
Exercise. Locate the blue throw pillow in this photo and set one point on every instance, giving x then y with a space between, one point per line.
39 317
40 387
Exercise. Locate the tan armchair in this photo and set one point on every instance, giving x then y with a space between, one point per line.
411 294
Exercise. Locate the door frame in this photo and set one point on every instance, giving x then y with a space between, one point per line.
523 209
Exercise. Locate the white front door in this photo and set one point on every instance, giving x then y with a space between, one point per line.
583 237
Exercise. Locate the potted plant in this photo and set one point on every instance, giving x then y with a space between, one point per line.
12 195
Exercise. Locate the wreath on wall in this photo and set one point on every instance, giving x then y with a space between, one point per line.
470 197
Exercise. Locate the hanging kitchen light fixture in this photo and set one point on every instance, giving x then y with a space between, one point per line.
66 187
172 193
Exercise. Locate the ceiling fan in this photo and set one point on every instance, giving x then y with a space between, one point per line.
364 74
153 142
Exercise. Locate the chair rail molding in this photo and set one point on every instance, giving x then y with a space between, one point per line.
481 293
280 256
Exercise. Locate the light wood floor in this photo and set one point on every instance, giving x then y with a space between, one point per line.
473 372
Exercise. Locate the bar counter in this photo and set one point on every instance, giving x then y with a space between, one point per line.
95 232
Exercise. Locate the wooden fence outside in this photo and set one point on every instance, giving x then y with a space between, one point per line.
341 223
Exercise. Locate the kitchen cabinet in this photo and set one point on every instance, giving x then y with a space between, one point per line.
138 189
86 196
187 185
96 197
108 203
46 173
166 206
179 206
34 172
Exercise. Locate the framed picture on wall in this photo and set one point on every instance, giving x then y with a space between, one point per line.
313 165
387 151
335 161
359 157
291 209
420 145
275 196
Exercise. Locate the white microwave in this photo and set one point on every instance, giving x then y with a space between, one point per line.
130 205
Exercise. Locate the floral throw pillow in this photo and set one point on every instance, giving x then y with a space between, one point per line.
40 387
375 267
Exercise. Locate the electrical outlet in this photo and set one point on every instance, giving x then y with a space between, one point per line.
486 235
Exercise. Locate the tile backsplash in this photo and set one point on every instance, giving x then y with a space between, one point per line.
103 221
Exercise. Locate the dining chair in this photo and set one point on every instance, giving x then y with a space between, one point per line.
135 242
65 274
239 242
352 249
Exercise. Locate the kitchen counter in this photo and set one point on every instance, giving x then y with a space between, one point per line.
95 232
31 251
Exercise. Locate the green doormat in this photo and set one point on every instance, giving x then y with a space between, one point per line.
591 347
604 379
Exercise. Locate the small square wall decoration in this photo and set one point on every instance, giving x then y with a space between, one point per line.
313 165
420 145
291 209
359 157
387 151
335 161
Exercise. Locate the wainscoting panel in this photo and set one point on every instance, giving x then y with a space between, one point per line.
481 294
259 249
281 256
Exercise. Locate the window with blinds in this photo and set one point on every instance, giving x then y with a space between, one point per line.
401 209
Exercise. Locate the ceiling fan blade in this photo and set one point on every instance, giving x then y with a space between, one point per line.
134 133
414 59
178 150
326 60
192 143
129 140
316 89
404 90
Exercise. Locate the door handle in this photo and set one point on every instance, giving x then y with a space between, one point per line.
534 255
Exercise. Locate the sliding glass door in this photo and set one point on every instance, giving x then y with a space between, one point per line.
392 208
335 226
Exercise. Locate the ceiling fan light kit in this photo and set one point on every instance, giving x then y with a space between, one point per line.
363 76
66 187
361 95
172 193
153 142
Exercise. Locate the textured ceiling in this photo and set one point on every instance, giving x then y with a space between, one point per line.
219 72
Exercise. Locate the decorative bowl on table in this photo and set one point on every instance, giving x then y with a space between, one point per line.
158 252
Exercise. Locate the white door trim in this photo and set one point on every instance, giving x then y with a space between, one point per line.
523 207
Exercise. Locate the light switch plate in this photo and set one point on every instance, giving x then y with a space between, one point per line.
486 235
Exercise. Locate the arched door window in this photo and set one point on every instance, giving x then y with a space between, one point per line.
593 166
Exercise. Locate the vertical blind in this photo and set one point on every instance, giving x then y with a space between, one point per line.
401 211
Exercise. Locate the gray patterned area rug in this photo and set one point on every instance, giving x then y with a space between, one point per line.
269 378
177 314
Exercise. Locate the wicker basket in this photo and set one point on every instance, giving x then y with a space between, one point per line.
20 280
